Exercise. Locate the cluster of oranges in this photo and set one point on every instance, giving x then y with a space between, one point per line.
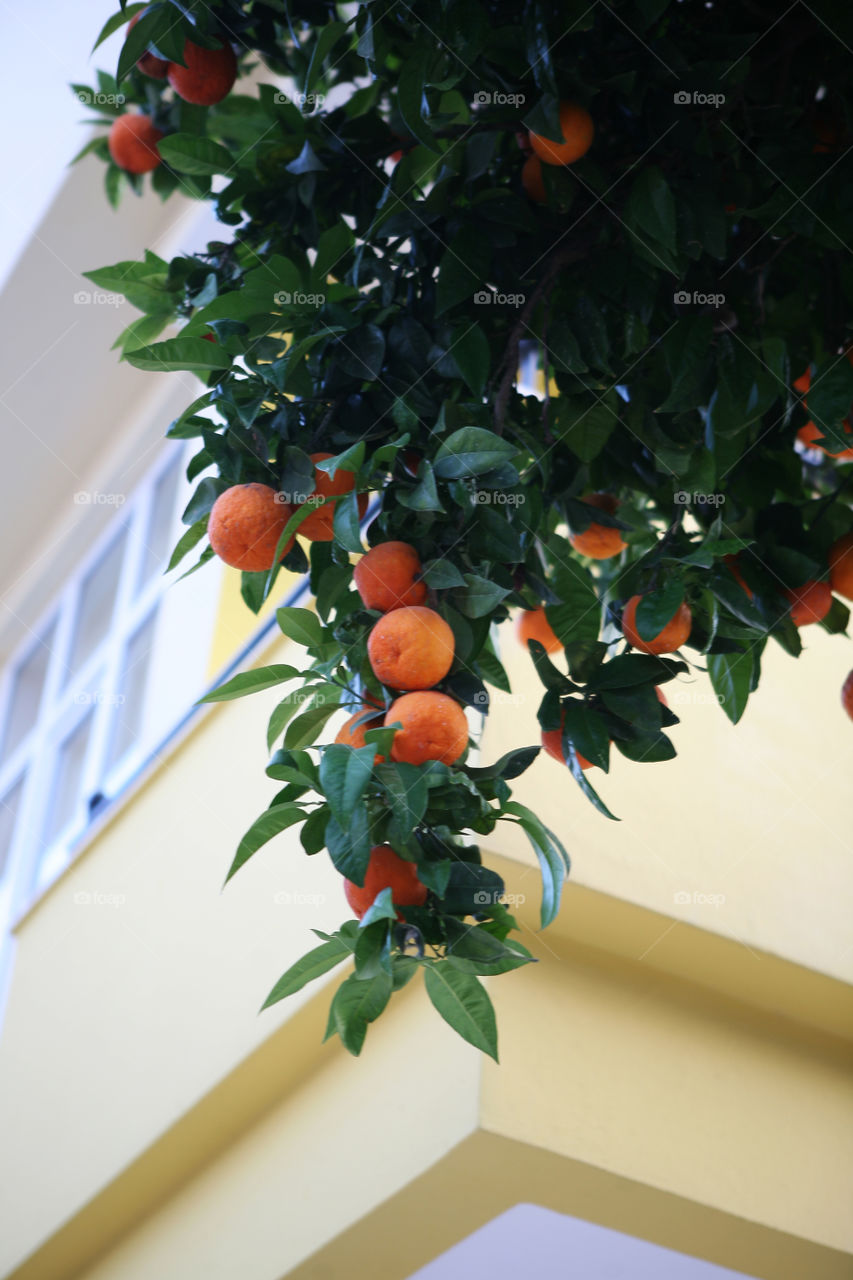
578 132
808 603
206 79
410 649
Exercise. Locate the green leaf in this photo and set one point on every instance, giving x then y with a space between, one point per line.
326 41
471 451
657 608
269 824
442 574
191 354
829 399
356 1004
479 596
583 427
462 1001
118 20
578 615
382 908
587 732
410 98
187 541
646 748
553 859
349 847
470 350
312 965
650 209
344 775
305 729
636 668
190 154
731 678
251 682
408 793
511 765
301 625
346 523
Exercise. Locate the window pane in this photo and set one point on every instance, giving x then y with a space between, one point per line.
95 607
158 535
68 777
27 686
8 815
128 714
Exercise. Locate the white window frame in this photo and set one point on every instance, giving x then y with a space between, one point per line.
66 700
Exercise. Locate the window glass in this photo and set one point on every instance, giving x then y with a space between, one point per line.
97 598
25 699
158 535
68 777
128 713
8 816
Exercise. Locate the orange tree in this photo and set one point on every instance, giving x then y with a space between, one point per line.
649 205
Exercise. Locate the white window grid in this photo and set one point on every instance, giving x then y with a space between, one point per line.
30 864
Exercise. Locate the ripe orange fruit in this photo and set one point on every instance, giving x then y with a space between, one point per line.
804 381
661 696
847 695
532 624
810 436
809 603
578 132
434 728
672 637
841 566
208 76
532 180
411 648
386 870
386 577
318 527
733 565
599 541
149 64
132 142
552 741
245 525
351 734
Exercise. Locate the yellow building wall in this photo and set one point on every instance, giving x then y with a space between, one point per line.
135 1069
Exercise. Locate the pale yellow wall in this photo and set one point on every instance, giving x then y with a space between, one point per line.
760 813
149 1004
